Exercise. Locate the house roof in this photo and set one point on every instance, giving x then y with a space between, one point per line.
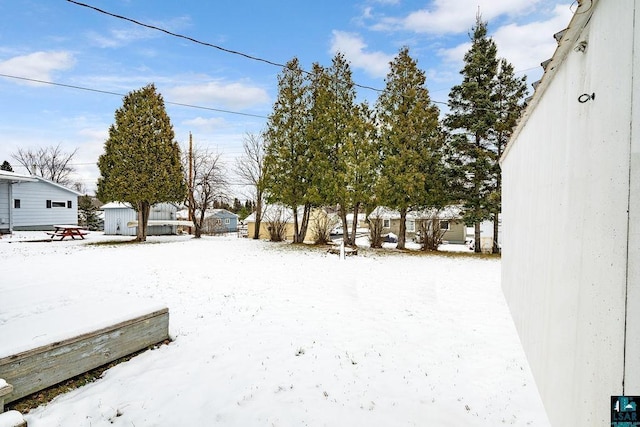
220 212
116 205
448 212
60 186
16 177
126 205
276 212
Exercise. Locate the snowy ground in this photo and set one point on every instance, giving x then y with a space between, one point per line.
269 335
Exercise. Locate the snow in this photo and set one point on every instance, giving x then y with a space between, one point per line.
11 419
25 330
268 334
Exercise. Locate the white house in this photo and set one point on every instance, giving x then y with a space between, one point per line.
117 217
571 217
33 203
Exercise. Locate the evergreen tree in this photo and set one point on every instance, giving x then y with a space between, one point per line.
141 161
288 167
6 166
409 137
471 120
88 213
361 155
333 128
508 97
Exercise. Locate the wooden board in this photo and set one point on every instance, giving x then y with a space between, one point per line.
160 222
38 368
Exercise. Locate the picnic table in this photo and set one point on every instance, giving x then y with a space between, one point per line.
62 231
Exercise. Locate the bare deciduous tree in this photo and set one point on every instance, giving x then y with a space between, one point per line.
51 163
432 226
208 183
376 224
250 170
321 227
277 217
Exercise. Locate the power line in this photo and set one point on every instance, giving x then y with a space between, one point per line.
223 49
200 42
218 110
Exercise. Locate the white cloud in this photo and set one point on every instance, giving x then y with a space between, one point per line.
118 37
37 65
354 48
454 16
213 124
524 46
219 95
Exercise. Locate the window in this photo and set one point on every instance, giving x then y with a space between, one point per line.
411 226
444 225
51 204
16 203
227 221
69 205
386 223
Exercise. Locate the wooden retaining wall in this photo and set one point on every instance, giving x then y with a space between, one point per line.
36 369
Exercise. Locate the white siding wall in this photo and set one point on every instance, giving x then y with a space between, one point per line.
162 211
33 212
565 201
632 364
4 205
115 221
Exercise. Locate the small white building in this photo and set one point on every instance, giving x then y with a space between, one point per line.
571 217
29 202
118 215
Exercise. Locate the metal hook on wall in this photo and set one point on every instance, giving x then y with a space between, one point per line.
585 97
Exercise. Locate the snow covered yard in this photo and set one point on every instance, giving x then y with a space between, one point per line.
270 335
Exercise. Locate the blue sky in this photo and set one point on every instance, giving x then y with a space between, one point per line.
59 41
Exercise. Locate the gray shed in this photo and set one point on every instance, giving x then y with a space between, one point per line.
117 215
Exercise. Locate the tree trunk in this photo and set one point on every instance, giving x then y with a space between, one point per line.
354 224
143 217
256 231
375 232
476 238
345 226
198 222
296 227
402 232
299 238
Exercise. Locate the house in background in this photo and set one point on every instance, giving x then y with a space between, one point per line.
448 219
571 218
278 214
8 180
118 215
486 235
29 202
219 221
